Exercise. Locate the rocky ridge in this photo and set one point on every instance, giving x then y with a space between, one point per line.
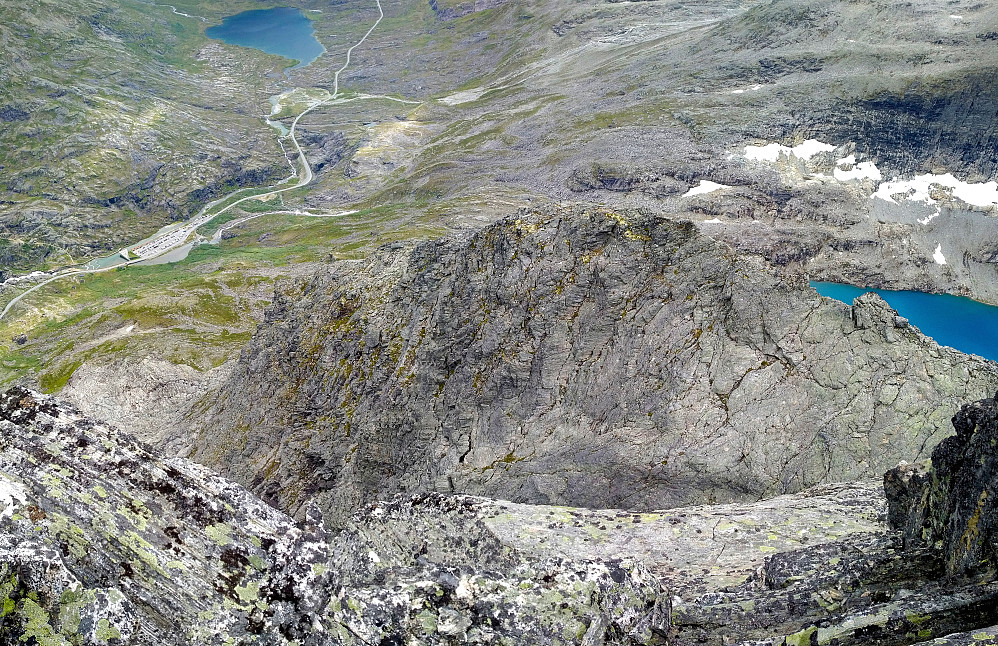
949 504
576 356
103 542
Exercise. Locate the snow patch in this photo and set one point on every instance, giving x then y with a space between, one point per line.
11 493
810 148
938 256
854 171
930 217
769 152
927 188
743 91
16 279
712 221
706 186
772 152
921 188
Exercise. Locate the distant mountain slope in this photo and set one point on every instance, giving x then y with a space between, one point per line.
116 119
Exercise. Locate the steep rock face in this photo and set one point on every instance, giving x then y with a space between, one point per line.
930 125
102 542
952 505
574 356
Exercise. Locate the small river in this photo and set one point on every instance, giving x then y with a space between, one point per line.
961 323
283 31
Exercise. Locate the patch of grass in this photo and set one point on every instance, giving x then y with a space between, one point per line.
53 380
259 206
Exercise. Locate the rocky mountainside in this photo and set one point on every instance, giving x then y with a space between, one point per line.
457 113
543 364
635 103
573 356
103 542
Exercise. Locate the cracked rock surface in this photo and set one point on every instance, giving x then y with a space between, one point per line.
574 356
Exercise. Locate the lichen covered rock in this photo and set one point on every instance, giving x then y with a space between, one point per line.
101 542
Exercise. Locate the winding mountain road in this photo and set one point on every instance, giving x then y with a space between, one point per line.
170 240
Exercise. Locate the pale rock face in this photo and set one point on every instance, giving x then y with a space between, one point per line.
12 496
148 397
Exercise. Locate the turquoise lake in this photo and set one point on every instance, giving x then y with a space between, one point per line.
961 323
284 31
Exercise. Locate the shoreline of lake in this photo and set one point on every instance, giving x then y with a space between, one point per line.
955 321
282 31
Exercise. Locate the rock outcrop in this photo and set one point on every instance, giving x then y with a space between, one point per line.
951 505
932 581
101 542
573 356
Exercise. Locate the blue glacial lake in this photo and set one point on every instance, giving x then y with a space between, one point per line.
961 323
284 31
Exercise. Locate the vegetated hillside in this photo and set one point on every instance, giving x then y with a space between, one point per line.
118 118
573 356
137 118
